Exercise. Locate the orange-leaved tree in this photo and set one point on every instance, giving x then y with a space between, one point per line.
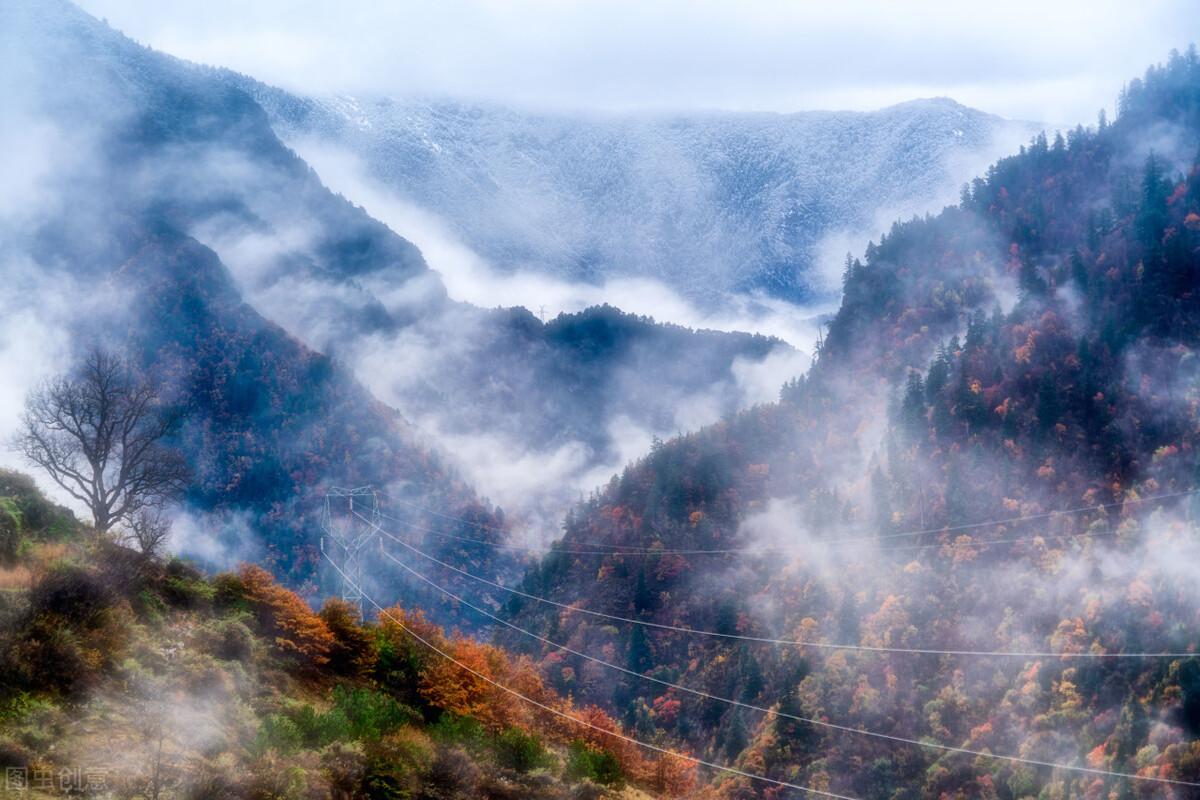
295 630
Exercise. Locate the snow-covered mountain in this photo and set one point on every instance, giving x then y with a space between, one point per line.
707 203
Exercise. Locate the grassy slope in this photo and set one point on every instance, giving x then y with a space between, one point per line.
230 686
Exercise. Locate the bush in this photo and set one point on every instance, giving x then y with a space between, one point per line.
345 770
149 606
455 729
72 628
299 635
229 639
39 517
452 774
395 764
21 705
10 530
371 714
317 729
521 751
72 594
49 657
187 593
229 594
278 733
14 755
598 766
357 714
354 652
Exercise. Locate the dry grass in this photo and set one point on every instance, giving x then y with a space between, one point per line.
42 555
48 552
16 578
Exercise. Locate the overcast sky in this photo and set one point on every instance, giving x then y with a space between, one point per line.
1049 61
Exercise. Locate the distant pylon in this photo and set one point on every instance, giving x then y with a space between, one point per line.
542 314
351 522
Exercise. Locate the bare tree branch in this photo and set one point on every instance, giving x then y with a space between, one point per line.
98 434
148 531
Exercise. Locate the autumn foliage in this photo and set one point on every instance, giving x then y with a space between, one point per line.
292 626
489 684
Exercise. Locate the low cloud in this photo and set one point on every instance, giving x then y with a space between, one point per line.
471 279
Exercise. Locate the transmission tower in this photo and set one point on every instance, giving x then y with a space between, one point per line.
351 522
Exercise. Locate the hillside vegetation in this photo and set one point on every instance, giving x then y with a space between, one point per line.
1029 351
146 678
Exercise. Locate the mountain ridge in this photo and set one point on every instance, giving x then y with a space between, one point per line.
455 158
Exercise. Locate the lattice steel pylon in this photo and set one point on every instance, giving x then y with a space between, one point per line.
350 521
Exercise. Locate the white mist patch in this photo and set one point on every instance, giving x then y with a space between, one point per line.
534 482
470 278
960 166
31 154
760 381
35 345
778 529
221 540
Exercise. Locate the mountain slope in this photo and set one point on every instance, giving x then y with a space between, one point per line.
706 203
148 150
122 674
995 453
145 156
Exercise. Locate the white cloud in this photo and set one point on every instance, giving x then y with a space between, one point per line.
470 278
1057 62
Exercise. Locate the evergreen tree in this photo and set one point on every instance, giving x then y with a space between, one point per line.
939 373
1049 404
640 658
642 596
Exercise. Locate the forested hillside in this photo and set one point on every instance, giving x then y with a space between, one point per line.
955 558
163 215
994 453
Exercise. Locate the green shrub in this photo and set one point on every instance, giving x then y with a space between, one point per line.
371 714
182 592
230 639
21 705
357 714
396 766
278 733
39 517
599 766
229 593
149 606
456 729
10 530
318 730
521 751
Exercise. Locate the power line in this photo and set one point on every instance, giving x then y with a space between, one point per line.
777 713
733 550
768 640
584 723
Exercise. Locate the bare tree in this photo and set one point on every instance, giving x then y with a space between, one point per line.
98 434
148 531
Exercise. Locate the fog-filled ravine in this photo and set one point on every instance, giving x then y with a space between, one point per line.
378 445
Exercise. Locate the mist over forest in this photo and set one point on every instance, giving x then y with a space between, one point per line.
386 442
